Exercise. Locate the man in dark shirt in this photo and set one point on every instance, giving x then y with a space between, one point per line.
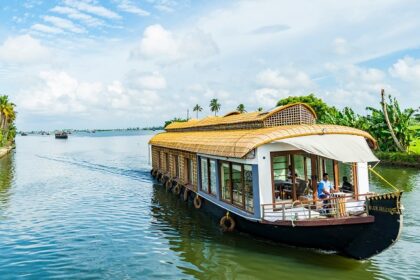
346 187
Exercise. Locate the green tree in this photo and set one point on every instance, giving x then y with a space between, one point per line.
400 122
323 111
260 109
7 118
215 106
197 108
241 108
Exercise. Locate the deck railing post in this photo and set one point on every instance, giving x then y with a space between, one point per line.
283 210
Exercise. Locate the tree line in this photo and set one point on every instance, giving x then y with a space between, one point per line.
7 121
390 125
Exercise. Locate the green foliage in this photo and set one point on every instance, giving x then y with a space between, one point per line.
399 157
215 106
174 120
241 108
7 118
260 109
374 122
197 108
400 122
323 111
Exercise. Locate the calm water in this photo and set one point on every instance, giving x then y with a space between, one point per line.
87 208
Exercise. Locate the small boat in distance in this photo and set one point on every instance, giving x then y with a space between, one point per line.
61 135
23 134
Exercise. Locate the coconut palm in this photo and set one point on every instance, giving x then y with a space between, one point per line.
215 106
197 108
241 108
7 117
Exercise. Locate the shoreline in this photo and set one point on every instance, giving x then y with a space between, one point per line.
399 159
5 150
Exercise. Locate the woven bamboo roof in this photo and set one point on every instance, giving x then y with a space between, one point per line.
233 118
238 143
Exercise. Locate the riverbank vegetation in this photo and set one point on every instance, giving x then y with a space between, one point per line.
7 121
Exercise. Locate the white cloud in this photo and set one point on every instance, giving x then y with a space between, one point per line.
77 15
23 49
92 9
64 24
46 29
57 93
129 7
407 69
284 79
165 46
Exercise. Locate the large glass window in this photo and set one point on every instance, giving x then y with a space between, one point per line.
236 185
208 175
213 177
204 175
249 194
346 177
225 181
280 168
237 189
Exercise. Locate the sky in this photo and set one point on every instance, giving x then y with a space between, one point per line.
125 63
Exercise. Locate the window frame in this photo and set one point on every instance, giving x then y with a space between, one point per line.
243 205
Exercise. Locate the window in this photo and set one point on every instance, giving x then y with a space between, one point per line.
188 170
204 175
280 167
225 181
236 185
249 193
208 175
176 163
346 170
213 177
167 162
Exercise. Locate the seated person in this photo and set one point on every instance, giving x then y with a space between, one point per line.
346 187
290 173
324 187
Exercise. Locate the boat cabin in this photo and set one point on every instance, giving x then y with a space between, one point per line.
266 166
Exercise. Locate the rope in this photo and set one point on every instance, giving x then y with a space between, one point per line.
382 178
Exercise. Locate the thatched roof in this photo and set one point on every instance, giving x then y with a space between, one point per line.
253 119
238 143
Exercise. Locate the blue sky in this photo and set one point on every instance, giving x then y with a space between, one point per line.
125 63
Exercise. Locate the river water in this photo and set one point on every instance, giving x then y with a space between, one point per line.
87 208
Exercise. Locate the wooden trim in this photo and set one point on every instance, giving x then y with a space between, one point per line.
355 181
314 177
272 177
292 163
336 179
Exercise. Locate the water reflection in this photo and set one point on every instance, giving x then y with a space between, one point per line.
404 179
6 178
208 253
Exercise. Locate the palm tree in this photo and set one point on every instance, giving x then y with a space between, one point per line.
7 116
215 106
197 108
241 108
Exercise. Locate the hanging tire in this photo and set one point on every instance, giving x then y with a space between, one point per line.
177 189
168 184
164 179
159 176
154 173
185 194
197 202
227 223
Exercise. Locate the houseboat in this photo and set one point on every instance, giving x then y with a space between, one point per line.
259 173
61 135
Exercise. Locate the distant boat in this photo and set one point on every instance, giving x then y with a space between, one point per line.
23 134
61 135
